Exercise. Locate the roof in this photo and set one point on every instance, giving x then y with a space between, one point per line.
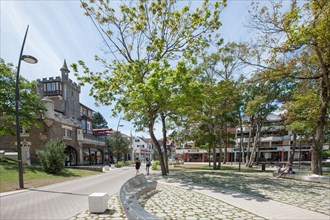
65 67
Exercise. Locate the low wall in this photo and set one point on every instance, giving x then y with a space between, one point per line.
130 193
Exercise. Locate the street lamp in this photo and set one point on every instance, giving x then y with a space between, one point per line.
119 125
31 60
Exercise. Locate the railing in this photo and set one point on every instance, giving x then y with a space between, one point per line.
53 93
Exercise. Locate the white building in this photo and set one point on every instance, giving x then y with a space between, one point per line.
141 148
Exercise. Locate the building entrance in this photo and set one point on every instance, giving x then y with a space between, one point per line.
71 156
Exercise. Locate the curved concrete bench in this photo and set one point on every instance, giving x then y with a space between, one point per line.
130 193
305 177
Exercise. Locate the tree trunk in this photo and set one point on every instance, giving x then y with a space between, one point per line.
214 155
258 148
214 148
158 147
248 153
226 146
254 148
293 148
163 117
241 154
209 153
220 143
321 122
317 148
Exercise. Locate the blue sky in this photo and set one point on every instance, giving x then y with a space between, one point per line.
58 30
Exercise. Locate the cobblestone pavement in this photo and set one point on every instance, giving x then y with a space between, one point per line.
170 202
114 212
307 195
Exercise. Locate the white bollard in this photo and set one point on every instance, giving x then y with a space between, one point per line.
106 169
98 202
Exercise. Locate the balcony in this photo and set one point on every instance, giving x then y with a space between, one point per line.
53 93
89 138
272 128
245 140
271 138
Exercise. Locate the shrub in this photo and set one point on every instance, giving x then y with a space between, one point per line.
53 158
120 164
155 164
325 154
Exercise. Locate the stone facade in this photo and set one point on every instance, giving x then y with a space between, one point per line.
66 119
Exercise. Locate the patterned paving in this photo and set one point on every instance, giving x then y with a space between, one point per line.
170 202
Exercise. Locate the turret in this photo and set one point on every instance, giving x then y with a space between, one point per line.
65 71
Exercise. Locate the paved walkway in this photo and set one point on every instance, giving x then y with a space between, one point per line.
227 195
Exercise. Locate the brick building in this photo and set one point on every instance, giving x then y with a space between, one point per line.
66 119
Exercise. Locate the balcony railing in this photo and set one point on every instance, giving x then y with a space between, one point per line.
53 93
90 138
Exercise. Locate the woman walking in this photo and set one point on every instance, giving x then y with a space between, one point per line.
137 165
148 164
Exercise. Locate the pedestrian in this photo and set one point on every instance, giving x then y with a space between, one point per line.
286 169
148 165
137 165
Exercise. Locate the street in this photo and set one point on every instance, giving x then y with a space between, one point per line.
61 200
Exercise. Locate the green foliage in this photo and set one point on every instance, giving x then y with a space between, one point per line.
99 121
326 154
147 35
295 44
120 164
117 145
155 164
124 163
53 157
302 110
30 105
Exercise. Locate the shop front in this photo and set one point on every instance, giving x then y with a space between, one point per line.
92 156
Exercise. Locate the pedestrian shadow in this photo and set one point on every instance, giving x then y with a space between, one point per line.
56 192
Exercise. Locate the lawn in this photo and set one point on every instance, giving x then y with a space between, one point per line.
34 176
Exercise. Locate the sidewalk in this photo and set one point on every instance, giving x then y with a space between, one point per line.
178 197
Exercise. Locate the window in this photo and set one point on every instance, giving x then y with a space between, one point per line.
83 111
83 124
52 88
67 132
89 125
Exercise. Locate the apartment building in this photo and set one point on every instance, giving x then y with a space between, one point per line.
276 144
66 119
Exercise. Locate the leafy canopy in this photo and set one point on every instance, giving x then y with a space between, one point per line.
30 105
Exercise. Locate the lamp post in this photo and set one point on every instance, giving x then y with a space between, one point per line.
117 134
31 60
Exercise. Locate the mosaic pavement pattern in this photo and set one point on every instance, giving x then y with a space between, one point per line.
169 202
307 195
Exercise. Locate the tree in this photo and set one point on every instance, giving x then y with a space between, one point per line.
263 99
117 145
99 121
301 114
53 157
30 105
143 38
297 44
